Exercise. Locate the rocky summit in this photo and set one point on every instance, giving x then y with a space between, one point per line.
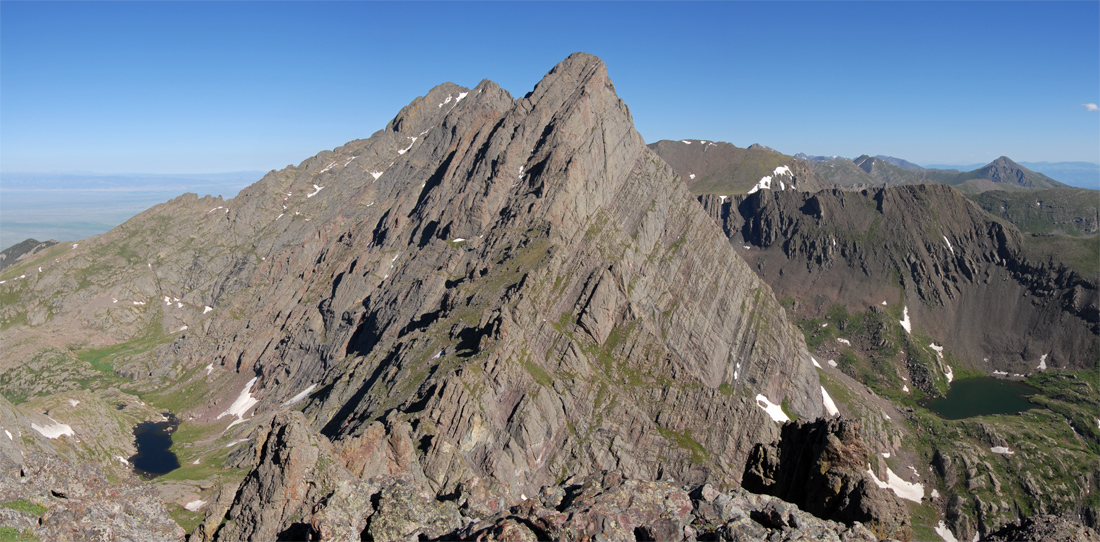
495 319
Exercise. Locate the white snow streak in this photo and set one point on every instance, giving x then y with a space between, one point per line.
830 406
376 174
301 395
316 189
685 142
195 506
139 303
945 533
8 433
765 183
949 373
773 410
1001 450
458 239
816 364
209 368
905 320
783 170
938 349
56 430
949 245
182 328
906 490
243 403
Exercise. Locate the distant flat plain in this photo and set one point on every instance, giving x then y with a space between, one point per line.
70 207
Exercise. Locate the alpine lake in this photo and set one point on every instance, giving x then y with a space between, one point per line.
153 441
982 396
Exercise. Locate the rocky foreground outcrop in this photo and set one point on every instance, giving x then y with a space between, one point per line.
50 498
391 501
822 466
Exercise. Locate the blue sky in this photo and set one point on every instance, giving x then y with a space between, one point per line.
210 86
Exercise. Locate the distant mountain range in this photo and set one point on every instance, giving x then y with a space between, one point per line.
868 171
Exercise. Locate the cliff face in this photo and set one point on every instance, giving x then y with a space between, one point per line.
969 282
521 288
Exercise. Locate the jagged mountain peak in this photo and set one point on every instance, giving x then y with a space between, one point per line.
518 285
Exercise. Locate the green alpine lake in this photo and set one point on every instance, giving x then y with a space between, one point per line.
982 396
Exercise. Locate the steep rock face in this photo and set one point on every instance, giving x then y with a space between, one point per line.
821 466
520 288
968 281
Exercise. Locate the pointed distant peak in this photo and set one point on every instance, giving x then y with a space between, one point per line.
576 71
1004 161
424 110
759 147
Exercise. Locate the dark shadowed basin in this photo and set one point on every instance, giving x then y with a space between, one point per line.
153 440
982 396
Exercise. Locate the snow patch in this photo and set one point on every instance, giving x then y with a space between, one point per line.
722 199
1043 363
76 245
905 320
773 410
8 433
685 142
74 402
1003 450
236 442
195 506
886 455
949 373
461 95
949 247
935 494
844 341
783 170
830 406
209 368
884 303
1000 373
243 403
122 460
832 363
945 533
905 388
765 183
316 189
376 174
56 430
458 239
182 328
906 490
206 309
691 175
301 395
816 364
937 348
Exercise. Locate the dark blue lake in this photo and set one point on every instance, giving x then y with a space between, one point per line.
154 440
982 396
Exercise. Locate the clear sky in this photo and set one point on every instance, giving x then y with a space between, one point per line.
190 87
